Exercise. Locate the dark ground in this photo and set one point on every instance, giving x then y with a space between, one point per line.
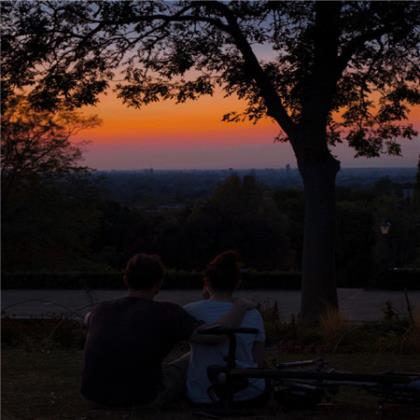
45 385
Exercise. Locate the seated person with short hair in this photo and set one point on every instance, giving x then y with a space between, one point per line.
221 279
128 339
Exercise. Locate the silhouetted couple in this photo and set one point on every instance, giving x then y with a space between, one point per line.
129 338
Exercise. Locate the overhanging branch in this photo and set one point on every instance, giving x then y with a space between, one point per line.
272 101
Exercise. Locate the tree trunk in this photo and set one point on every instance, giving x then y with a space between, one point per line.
319 293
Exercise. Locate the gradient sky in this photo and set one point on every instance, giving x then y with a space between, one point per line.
192 136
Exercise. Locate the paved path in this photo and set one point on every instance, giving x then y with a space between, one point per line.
355 304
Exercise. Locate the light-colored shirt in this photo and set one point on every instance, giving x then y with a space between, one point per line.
204 355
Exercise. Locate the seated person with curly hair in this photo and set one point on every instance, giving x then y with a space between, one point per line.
222 277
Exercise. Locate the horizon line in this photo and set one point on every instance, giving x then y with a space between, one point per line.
247 169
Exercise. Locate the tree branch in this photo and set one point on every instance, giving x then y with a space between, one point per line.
353 46
272 101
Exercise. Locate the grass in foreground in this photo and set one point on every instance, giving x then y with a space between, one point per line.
45 385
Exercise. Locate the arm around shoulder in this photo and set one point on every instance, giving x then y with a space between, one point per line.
232 319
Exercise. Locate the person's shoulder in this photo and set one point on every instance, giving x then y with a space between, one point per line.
165 304
105 305
254 314
169 307
196 304
196 308
98 310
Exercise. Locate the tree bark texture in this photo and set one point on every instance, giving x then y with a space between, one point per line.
319 293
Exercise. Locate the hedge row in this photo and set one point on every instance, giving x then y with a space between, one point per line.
392 280
398 280
113 280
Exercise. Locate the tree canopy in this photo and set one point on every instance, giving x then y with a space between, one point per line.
348 66
36 143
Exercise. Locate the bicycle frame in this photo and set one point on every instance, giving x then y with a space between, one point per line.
391 386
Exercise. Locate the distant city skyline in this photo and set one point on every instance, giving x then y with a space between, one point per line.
137 157
192 136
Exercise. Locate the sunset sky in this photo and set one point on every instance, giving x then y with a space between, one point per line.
192 136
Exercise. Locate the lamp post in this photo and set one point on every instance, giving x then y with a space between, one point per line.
385 229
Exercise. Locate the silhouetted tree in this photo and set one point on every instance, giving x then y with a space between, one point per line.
355 242
50 224
341 71
49 202
291 203
239 215
36 143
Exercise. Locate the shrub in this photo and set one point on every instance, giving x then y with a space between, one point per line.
394 334
398 279
179 279
42 334
333 327
113 280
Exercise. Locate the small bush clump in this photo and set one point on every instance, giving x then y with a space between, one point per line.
42 334
334 334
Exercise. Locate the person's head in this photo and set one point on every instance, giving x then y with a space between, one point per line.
144 272
223 274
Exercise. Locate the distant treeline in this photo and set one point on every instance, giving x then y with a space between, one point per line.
275 280
75 224
163 187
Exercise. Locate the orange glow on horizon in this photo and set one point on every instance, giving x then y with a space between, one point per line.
192 135
195 122
169 123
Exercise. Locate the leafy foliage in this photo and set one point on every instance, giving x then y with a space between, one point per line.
50 224
240 215
351 66
49 201
37 144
